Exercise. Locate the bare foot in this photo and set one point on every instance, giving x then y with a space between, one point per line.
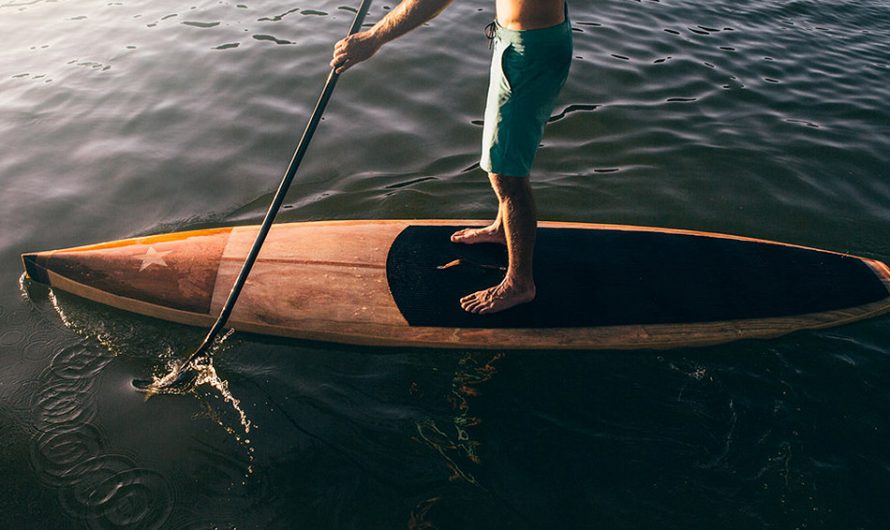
488 234
498 298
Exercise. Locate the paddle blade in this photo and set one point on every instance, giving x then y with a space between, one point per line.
142 385
179 381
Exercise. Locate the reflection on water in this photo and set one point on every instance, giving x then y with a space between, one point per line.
453 442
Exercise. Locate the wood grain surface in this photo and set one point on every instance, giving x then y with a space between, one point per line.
327 281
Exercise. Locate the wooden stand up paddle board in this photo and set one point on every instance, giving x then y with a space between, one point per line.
398 283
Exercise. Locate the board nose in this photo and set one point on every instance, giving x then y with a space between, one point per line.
34 267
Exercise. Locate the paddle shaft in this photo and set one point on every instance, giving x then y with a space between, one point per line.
277 201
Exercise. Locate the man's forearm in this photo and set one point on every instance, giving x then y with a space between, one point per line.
406 16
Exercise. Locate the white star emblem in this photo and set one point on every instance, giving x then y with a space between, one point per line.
153 257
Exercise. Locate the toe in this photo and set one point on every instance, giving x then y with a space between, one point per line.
472 302
475 308
460 234
467 301
483 308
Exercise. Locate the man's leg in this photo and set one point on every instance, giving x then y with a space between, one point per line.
518 221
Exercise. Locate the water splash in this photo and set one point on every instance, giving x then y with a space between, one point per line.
121 337
206 376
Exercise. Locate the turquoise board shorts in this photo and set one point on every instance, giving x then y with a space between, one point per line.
528 70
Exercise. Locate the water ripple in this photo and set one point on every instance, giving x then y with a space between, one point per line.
103 489
276 40
278 18
204 25
111 493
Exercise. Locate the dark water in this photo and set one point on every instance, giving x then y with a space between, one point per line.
768 119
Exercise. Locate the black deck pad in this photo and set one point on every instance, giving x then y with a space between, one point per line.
589 278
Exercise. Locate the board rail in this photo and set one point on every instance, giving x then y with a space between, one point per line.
395 332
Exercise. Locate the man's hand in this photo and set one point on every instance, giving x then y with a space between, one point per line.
353 50
407 15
